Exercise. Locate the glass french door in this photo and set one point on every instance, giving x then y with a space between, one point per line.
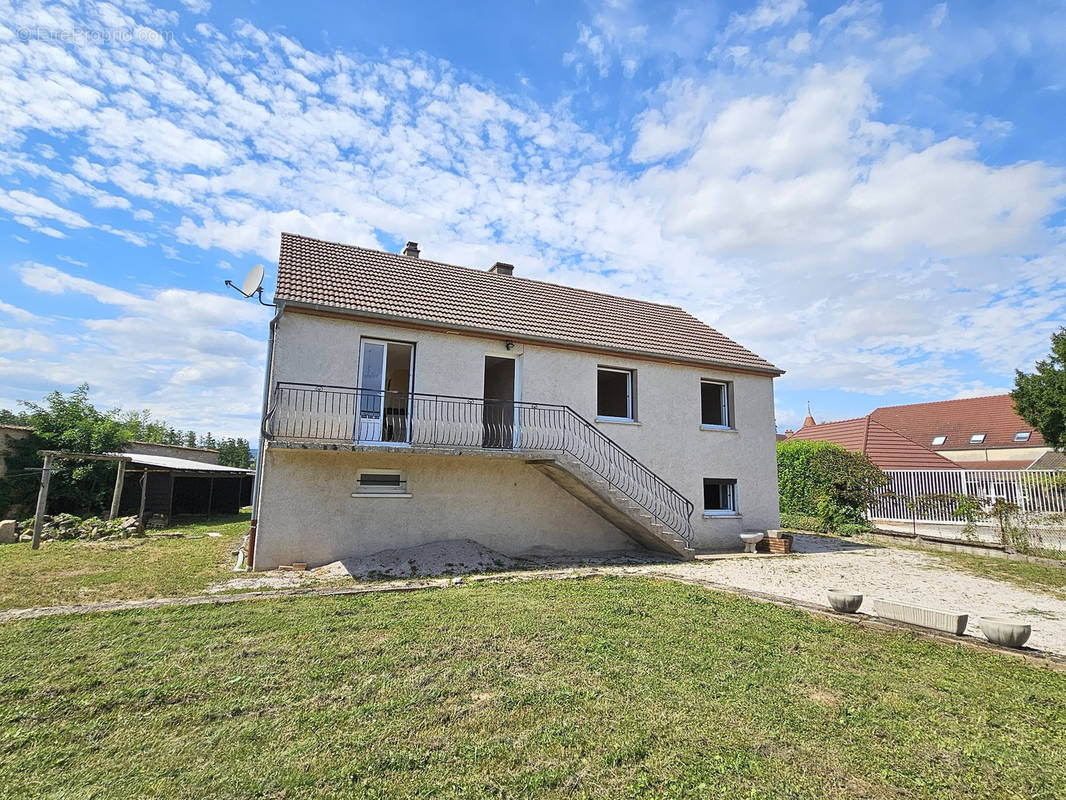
385 373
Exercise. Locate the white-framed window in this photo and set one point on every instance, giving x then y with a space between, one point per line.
381 483
716 404
977 438
719 497
938 440
1022 436
615 394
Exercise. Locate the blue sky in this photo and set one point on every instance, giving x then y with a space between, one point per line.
871 196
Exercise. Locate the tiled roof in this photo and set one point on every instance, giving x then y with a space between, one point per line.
883 446
958 420
345 277
995 464
1052 459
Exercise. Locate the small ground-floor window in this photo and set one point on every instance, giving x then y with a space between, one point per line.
719 496
380 482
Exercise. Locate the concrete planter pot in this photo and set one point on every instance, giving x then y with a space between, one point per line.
751 539
1005 632
844 602
944 621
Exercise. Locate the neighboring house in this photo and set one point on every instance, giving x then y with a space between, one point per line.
411 401
975 433
884 447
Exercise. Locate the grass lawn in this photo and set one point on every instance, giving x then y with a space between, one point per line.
611 687
1037 577
62 573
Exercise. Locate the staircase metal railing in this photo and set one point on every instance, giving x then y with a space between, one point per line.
341 415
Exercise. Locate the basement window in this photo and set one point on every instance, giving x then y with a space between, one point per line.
381 483
614 394
714 404
938 440
977 438
1022 436
719 497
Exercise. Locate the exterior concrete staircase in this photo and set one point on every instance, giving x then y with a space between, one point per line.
613 505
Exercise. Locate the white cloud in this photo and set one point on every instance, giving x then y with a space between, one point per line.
197 6
768 14
21 314
191 357
15 340
765 187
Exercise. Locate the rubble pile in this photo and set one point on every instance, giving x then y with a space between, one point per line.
69 526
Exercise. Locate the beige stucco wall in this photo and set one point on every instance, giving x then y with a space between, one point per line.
667 436
994 454
9 433
308 512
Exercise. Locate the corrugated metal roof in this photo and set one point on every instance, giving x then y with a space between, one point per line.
958 420
345 277
886 448
169 462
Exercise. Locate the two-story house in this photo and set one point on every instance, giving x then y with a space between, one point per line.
411 401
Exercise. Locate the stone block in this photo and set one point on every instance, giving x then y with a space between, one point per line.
8 531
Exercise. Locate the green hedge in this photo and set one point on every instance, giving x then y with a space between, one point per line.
822 480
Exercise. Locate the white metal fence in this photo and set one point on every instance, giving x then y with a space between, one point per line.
931 495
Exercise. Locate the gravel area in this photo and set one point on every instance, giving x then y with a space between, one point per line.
891 573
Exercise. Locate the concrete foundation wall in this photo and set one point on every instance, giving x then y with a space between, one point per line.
667 435
1051 538
307 512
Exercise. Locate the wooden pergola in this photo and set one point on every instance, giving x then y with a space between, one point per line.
46 477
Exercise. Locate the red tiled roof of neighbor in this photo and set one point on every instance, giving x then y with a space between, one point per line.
1052 459
883 446
958 420
355 279
995 464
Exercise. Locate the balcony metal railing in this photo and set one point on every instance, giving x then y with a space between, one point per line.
346 416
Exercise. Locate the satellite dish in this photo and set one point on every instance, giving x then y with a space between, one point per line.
252 281
253 285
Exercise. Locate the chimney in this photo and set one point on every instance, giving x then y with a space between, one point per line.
501 268
411 251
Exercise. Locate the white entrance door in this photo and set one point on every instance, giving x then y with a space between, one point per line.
385 374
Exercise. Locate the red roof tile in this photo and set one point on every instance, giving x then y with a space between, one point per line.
339 276
883 446
958 420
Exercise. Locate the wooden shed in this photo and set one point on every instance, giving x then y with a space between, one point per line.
173 486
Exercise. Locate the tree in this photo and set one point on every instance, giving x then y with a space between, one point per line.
1040 397
823 479
234 453
67 422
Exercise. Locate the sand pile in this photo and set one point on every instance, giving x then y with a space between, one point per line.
451 557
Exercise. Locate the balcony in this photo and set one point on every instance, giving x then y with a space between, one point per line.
552 437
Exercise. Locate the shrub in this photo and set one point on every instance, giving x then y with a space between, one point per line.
832 516
799 522
851 529
823 480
